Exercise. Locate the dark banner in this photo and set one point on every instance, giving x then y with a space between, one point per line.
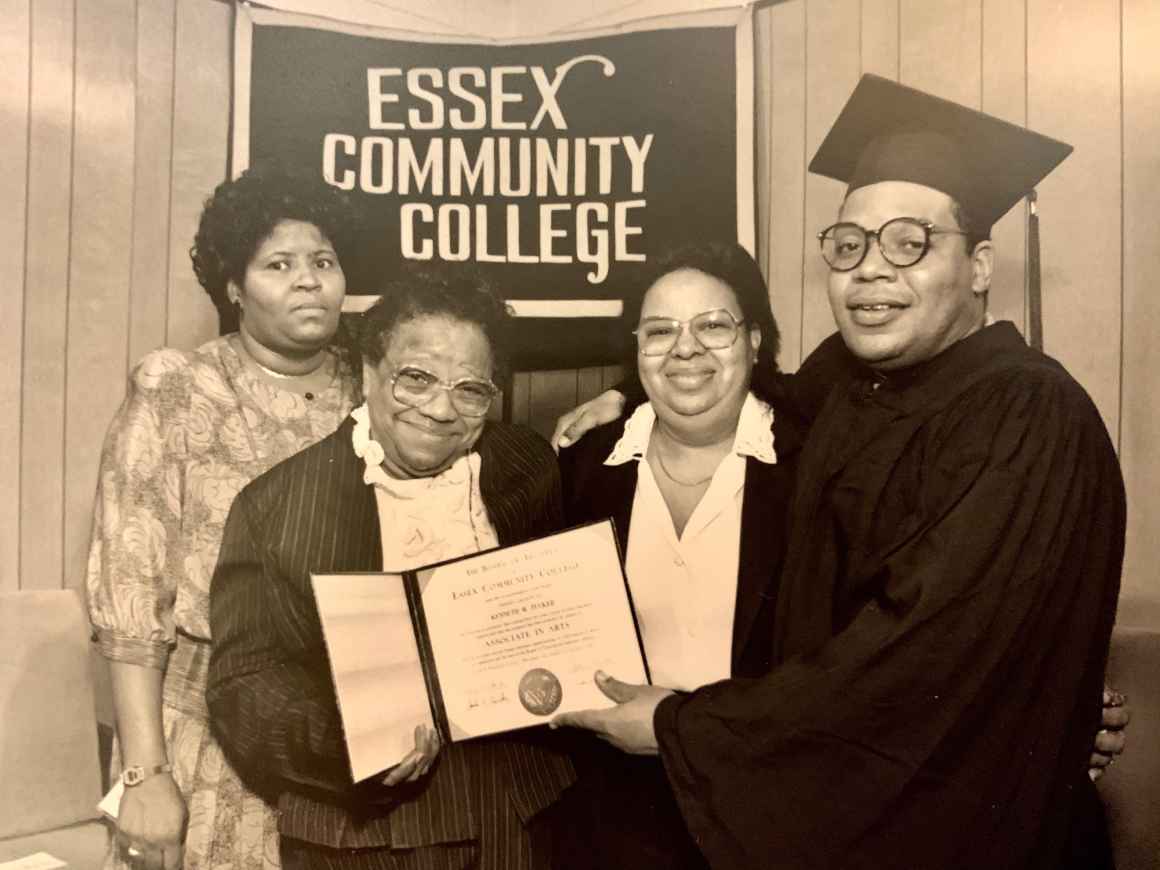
560 169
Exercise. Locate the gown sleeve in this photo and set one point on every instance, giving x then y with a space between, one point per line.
131 579
942 706
803 392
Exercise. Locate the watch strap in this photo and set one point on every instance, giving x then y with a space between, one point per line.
137 774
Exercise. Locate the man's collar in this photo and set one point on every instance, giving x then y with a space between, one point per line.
754 436
934 382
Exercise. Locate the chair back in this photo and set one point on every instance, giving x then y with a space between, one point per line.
49 769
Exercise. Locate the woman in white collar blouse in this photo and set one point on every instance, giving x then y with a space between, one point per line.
697 480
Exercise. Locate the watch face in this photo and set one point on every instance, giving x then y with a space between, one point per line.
133 776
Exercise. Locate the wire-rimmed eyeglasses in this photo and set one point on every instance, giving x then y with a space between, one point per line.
471 397
715 329
903 241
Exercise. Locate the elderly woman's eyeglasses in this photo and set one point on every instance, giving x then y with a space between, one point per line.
903 242
714 330
414 386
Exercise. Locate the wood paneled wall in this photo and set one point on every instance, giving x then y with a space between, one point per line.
115 127
120 111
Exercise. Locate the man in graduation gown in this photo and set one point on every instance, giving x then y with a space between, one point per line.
954 556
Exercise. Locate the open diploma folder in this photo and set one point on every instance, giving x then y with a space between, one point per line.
478 645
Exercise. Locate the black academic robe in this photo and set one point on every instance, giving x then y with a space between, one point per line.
271 695
941 630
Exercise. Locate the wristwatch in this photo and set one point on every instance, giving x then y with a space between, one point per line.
137 774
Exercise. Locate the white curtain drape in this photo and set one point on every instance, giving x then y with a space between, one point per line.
496 19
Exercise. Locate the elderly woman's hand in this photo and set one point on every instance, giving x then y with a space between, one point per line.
418 761
571 427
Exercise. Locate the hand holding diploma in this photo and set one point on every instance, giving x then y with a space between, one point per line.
629 725
474 646
419 761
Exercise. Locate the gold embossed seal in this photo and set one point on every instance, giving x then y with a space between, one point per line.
540 692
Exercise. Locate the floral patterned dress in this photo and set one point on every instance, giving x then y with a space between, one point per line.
193 429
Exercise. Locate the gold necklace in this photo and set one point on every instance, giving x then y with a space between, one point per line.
308 384
676 480
282 375
244 352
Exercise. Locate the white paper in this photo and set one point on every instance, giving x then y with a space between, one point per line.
35 861
110 804
517 634
374 659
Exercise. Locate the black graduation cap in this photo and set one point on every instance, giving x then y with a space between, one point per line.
889 132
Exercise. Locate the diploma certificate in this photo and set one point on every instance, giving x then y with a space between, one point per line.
479 645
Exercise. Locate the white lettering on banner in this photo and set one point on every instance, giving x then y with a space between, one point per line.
330 159
414 117
455 85
460 168
517 167
452 167
377 98
548 233
637 154
548 89
410 170
499 98
554 164
523 167
600 236
408 214
384 149
462 233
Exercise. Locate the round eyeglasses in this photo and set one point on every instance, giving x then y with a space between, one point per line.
903 242
469 396
714 330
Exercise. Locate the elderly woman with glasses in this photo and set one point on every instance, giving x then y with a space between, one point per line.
697 480
417 474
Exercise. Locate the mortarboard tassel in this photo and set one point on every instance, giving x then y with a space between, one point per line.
1034 300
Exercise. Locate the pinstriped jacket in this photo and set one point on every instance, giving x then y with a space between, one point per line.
271 696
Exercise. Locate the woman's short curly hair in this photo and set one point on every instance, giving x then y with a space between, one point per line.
456 292
242 212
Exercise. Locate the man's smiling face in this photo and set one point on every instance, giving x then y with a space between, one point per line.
893 317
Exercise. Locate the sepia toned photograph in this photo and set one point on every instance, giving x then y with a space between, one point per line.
580 435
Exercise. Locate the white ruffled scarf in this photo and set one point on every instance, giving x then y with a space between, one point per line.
424 519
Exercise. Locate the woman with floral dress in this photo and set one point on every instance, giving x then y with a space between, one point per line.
194 428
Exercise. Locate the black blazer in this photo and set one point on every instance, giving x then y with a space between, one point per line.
593 490
271 694
646 828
